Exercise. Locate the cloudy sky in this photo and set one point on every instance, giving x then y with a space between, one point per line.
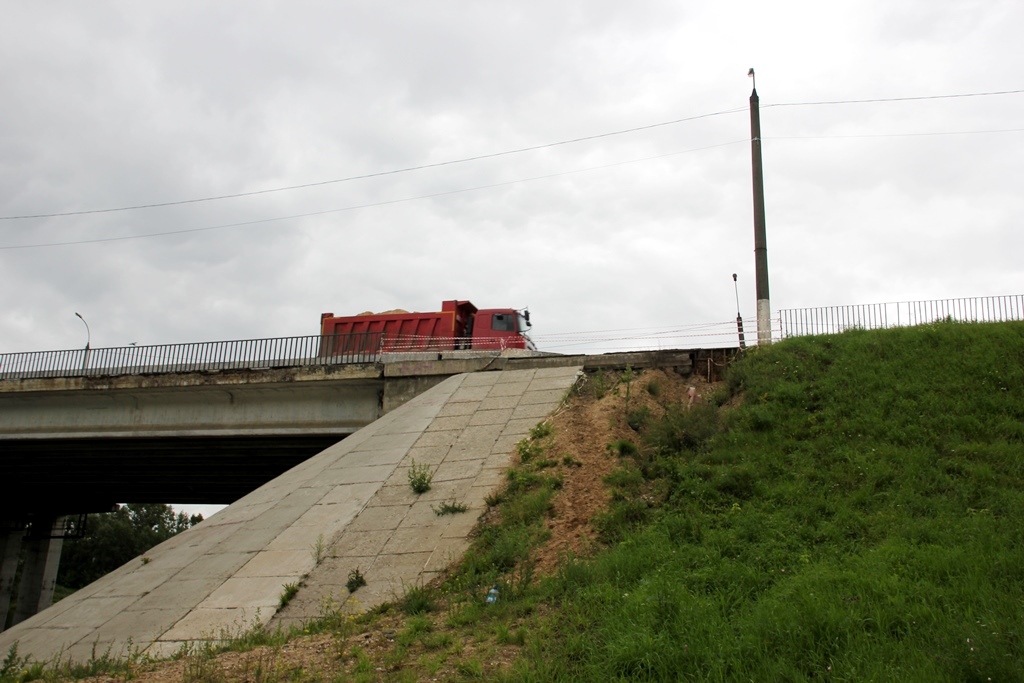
633 230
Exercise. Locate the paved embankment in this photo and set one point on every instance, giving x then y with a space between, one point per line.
349 507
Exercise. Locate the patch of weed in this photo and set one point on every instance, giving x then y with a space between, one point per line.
507 635
420 477
14 666
199 664
627 378
289 591
318 550
620 519
529 507
541 431
415 628
682 430
470 668
521 480
599 384
529 450
638 418
355 580
467 613
417 600
622 447
449 507
627 480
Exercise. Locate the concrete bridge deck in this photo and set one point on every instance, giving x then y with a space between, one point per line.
83 443
352 499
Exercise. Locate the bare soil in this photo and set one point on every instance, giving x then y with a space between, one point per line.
583 432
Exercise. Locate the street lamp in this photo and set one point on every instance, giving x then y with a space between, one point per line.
88 341
739 318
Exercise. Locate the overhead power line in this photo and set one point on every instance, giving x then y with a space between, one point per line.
377 174
484 187
355 207
495 154
894 99
893 135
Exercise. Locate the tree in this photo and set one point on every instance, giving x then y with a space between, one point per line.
113 538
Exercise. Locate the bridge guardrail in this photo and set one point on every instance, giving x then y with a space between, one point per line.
366 347
243 354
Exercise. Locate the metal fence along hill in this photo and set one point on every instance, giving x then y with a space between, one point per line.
834 319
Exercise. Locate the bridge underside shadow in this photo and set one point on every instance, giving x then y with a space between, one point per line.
65 478
77 475
84 444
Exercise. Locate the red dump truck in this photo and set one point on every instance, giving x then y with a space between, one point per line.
458 325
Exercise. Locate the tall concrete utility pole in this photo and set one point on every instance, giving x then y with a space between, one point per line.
764 308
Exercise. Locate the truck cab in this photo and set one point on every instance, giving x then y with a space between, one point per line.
502 328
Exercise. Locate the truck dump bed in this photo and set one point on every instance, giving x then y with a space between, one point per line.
443 330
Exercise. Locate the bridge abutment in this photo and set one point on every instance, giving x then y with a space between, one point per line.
467 434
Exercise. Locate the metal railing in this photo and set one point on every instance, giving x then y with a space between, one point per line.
834 319
280 352
708 335
413 343
367 347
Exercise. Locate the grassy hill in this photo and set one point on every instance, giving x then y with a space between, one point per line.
842 508
859 515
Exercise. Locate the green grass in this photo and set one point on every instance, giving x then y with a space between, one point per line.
857 517
16 668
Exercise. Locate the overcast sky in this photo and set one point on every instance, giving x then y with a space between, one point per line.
110 105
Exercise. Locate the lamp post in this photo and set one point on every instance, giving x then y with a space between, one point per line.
88 341
739 318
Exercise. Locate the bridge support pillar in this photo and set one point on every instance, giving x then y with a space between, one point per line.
39 573
10 548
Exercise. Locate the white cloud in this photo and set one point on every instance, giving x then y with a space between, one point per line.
115 104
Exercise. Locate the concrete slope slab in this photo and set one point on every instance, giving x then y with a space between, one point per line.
348 508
